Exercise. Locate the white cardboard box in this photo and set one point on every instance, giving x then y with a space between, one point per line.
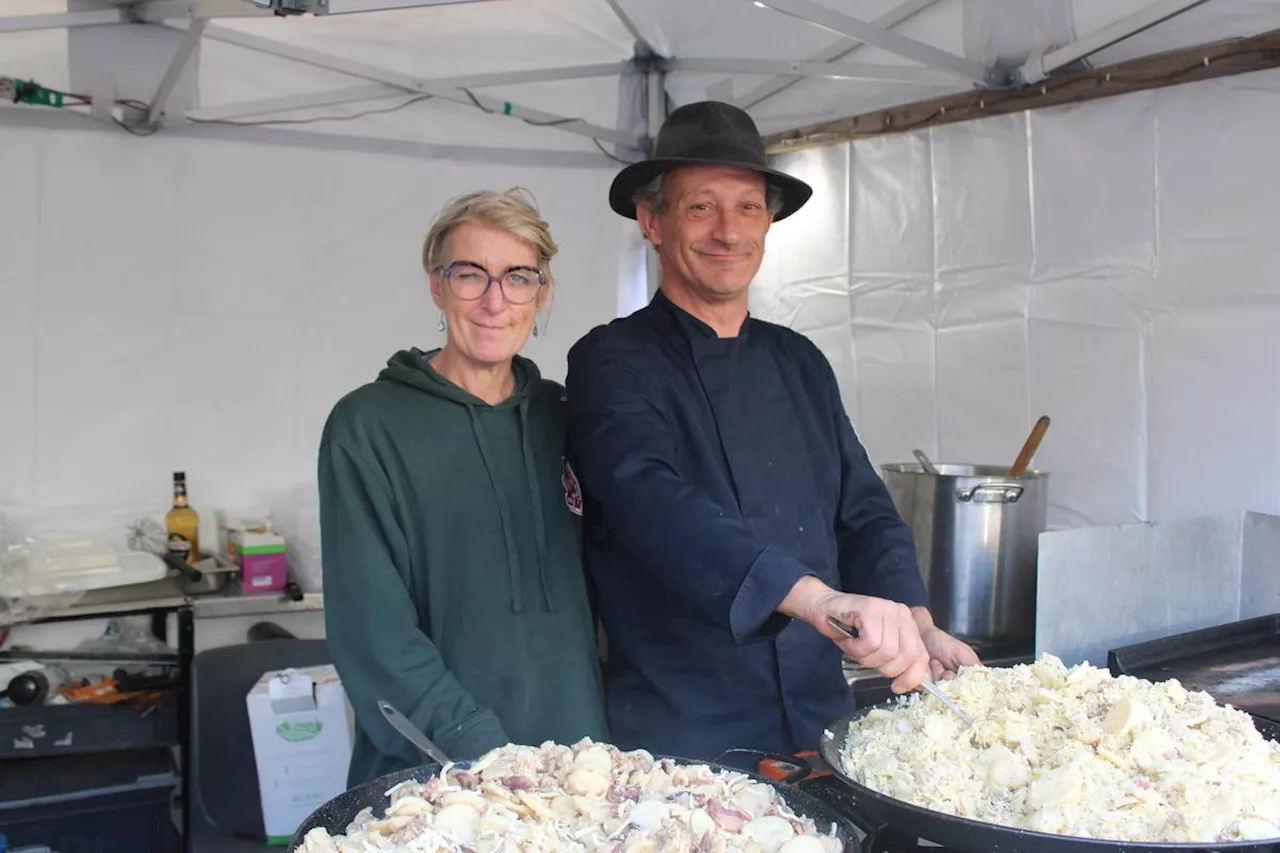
301 744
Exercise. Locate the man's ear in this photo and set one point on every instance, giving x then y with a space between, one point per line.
648 223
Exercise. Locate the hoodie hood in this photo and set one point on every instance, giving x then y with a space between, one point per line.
412 367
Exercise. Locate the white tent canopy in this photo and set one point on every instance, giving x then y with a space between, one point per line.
462 75
231 293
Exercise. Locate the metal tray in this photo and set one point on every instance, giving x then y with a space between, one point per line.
1238 664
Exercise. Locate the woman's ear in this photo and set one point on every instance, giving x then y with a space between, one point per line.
546 296
437 289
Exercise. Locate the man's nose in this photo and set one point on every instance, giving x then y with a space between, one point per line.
726 229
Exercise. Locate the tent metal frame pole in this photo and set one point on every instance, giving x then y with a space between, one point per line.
630 25
896 16
239 109
60 20
815 13
656 113
533 75
78 122
827 70
190 41
1145 18
483 103
185 9
382 90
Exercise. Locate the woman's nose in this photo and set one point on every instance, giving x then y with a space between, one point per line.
493 298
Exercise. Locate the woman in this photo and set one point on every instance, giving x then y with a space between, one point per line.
453 580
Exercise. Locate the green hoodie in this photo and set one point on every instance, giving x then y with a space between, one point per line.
452 567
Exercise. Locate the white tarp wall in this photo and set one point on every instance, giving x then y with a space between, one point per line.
1111 264
171 304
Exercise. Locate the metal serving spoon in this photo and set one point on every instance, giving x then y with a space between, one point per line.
928 685
410 732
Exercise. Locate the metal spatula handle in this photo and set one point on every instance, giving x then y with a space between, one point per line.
927 685
410 732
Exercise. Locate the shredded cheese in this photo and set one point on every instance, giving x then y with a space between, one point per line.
1075 751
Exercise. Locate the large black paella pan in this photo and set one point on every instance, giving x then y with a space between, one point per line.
335 815
904 821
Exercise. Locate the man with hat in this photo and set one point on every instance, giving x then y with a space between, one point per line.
729 508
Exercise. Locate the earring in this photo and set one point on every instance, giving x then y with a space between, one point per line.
535 328
440 325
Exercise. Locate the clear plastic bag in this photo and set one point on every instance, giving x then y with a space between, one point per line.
48 573
126 635
26 593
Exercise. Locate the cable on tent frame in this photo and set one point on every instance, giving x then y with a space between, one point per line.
31 92
506 111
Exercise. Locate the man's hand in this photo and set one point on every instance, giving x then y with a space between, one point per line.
946 653
889 640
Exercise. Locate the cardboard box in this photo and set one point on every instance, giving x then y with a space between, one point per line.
263 562
301 745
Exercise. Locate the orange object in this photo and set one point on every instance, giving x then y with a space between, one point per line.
772 768
90 691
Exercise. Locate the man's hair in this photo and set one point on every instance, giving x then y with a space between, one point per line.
655 194
508 211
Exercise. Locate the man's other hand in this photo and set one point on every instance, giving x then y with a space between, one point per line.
889 640
946 653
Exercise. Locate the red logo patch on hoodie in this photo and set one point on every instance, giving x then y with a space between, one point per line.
572 491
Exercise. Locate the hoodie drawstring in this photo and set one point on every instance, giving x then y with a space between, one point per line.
504 516
504 510
535 494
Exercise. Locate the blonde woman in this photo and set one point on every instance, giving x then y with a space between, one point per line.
453 580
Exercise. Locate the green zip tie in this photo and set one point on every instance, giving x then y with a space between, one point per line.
506 108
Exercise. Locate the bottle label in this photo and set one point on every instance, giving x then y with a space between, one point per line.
179 546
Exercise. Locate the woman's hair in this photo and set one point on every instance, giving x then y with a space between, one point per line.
508 211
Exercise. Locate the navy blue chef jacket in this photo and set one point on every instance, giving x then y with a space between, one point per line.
716 473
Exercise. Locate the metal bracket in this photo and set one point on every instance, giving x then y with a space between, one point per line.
1005 78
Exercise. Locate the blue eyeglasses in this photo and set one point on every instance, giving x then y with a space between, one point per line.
469 280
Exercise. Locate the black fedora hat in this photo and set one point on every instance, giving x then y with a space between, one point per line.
706 133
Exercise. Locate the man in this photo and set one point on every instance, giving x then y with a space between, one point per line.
729 507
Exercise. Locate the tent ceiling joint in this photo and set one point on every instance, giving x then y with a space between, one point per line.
643 45
899 14
812 12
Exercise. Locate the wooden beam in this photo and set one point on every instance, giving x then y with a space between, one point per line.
1205 62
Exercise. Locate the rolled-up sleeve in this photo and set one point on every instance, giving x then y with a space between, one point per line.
624 445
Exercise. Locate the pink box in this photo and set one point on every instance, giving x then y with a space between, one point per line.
263 564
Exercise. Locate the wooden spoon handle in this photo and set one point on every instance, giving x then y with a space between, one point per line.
1029 448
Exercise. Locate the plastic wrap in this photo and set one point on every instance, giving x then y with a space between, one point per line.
16 550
